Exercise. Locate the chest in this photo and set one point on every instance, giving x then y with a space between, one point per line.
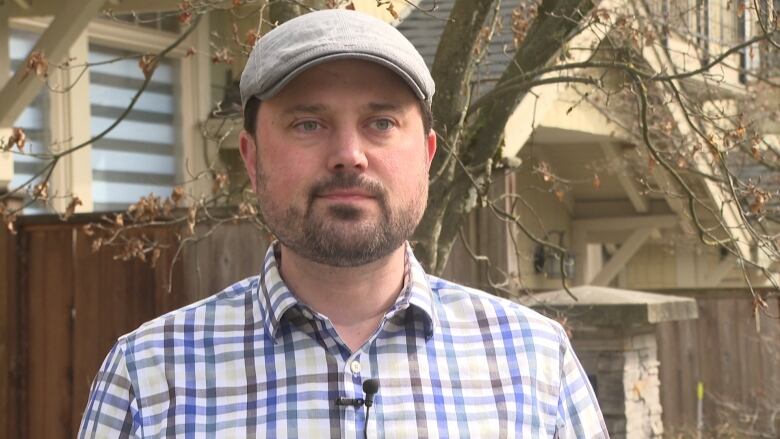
428 388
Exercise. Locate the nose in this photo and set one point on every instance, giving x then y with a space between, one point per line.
347 151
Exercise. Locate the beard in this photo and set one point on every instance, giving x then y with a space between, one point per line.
342 234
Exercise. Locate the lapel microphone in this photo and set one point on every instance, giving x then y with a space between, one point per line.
370 389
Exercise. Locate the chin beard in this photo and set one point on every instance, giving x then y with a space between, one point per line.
341 237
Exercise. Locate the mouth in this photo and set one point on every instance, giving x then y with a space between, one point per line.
346 195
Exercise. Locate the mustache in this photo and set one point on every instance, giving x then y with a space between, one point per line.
348 181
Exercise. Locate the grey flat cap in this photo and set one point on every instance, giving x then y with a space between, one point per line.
311 39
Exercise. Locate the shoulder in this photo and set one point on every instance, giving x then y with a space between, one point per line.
464 305
222 310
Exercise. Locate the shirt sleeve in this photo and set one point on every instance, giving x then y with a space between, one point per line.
579 415
112 407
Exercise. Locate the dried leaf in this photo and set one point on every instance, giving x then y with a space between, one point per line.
221 181
544 169
19 138
247 209
350 6
36 63
738 133
185 14
148 63
222 56
596 181
236 3
71 208
41 191
756 153
10 223
559 194
392 11
119 220
650 165
251 38
89 229
155 256
177 195
96 244
190 52
600 15
192 215
522 17
332 4
758 203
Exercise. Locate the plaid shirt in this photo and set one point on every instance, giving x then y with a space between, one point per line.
253 361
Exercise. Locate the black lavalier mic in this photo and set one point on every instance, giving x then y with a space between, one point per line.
370 388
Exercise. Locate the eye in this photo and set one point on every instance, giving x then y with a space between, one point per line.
382 124
308 126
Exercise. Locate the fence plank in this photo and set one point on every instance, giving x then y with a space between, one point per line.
50 292
113 297
8 245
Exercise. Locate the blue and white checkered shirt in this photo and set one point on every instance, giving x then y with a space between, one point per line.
253 361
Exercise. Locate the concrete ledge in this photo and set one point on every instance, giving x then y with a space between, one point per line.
602 306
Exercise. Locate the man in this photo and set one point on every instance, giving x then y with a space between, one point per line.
338 144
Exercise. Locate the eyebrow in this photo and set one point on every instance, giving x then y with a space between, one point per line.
321 108
383 106
315 108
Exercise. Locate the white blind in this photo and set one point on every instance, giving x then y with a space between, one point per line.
138 157
33 120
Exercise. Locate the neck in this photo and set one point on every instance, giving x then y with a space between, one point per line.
354 298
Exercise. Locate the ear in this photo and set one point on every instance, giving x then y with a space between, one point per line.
248 148
430 147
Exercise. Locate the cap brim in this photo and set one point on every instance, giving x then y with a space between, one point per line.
276 88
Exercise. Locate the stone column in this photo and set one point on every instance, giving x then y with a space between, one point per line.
613 334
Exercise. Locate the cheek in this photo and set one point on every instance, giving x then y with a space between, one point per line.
287 174
404 172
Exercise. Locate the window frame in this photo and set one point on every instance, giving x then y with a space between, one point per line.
191 91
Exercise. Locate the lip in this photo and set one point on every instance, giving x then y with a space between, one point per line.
346 195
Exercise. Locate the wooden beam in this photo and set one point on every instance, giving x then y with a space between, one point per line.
69 22
24 4
660 61
625 223
623 255
6 158
629 184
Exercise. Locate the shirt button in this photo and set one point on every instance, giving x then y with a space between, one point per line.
355 367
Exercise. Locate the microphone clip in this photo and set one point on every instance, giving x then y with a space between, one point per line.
353 402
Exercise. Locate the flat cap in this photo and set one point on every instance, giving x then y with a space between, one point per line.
320 36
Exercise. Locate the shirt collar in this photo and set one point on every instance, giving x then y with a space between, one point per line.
276 298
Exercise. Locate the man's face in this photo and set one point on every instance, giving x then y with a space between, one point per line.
340 163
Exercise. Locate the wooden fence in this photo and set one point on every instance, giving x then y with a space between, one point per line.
62 306
738 365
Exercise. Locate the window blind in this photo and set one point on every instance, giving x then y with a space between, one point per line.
138 157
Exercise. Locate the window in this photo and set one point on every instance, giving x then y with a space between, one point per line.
144 153
33 120
138 157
